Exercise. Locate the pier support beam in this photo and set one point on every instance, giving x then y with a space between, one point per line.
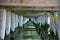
2 23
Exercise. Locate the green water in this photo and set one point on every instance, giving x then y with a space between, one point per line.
29 33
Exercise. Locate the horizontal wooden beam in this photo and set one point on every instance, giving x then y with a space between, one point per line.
36 8
26 4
